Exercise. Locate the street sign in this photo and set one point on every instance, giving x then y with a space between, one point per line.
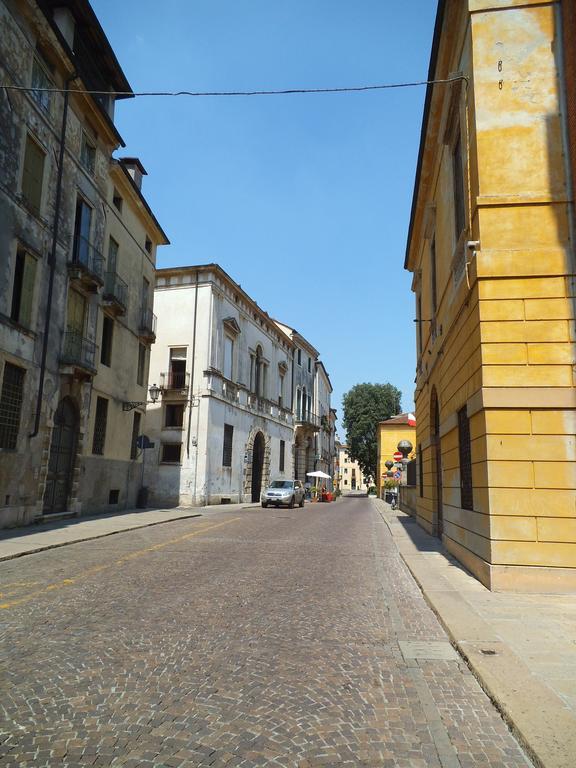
397 475
397 456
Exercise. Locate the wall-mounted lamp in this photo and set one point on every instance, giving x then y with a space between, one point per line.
153 391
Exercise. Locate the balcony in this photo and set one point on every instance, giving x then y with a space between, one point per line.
230 391
79 353
115 293
178 381
147 327
86 265
307 419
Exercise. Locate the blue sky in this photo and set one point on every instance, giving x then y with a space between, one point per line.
305 199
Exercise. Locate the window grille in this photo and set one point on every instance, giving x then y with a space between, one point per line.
466 493
100 419
174 415
227 445
11 405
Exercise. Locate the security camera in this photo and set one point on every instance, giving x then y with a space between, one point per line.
472 244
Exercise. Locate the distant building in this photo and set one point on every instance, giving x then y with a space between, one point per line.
350 476
491 247
78 244
224 426
390 432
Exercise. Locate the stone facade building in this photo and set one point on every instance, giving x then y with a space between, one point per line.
224 426
491 246
77 247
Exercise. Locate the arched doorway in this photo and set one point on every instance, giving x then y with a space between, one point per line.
62 456
436 459
257 466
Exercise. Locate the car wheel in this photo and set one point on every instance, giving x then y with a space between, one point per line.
264 504
292 503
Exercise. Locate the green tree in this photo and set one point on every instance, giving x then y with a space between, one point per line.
364 406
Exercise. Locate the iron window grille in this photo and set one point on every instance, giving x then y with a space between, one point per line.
227 445
464 447
11 405
100 419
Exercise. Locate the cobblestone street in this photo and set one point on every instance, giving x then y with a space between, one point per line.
265 637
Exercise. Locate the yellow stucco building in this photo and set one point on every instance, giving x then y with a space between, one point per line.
491 249
390 432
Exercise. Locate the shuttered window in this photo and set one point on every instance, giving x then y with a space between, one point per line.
227 445
32 176
107 337
11 405
466 493
23 288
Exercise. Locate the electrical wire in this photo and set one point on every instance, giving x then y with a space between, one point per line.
284 92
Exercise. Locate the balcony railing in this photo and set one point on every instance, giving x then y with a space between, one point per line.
148 323
230 391
174 380
88 258
115 290
308 418
78 351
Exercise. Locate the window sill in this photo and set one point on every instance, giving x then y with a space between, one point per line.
171 463
17 326
172 428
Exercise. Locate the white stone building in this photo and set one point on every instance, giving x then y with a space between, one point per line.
224 425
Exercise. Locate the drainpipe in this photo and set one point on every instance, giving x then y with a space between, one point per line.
192 376
52 258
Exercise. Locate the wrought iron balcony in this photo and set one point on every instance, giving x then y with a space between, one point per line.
86 263
170 380
79 352
115 292
307 419
147 326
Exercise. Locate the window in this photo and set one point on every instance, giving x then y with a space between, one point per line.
421 471
99 437
174 415
41 80
112 255
33 175
298 403
171 453
345 470
464 449
177 373
433 289
282 452
117 200
458 184
309 365
82 227
228 357
299 357
88 154
227 445
141 370
113 496
11 405
23 288
106 345
419 323
280 389
135 433
148 245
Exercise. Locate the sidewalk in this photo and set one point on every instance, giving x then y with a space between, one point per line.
16 542
522 648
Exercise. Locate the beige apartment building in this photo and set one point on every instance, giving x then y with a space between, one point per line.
349 477
80 242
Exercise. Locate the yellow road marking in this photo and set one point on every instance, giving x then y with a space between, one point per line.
132 556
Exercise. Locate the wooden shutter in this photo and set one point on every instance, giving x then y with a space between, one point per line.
27 296
33 175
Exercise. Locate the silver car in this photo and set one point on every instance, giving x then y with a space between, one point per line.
288 492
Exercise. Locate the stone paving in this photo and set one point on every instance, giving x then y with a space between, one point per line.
264 638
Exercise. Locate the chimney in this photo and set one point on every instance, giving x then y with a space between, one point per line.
135 169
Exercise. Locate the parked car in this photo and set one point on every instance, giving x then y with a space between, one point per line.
288 492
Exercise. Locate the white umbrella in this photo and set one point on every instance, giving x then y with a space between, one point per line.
318 473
